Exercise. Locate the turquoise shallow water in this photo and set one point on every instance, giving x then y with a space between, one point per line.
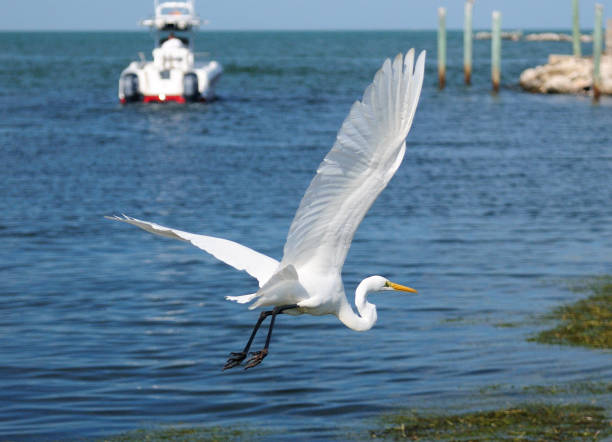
104 328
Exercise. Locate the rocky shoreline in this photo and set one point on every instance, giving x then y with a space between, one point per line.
566 74
553 36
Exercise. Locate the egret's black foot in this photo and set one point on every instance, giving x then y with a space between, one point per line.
256 358
234 359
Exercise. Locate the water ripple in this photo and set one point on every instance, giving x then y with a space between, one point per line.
105 329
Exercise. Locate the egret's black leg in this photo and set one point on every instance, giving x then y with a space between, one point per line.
237 357
258 356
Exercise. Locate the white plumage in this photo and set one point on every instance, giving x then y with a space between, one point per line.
368 150
258 265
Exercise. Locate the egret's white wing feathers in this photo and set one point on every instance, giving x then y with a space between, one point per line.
281 289
256 264
368 150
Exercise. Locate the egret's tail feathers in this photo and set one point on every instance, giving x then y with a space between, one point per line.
242 299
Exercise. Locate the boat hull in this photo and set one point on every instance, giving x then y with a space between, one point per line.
150 83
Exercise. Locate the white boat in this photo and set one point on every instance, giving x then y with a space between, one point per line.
173 75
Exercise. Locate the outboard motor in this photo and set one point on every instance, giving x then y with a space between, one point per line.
129 86
190 87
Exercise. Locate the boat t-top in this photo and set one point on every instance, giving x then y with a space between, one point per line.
172 75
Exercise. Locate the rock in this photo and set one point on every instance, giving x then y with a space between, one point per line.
586 38
513 36
484 35
557 84
552 36
548 36
566 74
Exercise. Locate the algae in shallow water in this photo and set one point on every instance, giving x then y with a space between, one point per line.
185 434
541 422
587 322
591 388
571 388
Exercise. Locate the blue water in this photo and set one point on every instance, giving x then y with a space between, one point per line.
104 328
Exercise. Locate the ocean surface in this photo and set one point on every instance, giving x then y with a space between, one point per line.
500 203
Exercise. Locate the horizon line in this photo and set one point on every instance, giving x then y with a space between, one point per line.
293 30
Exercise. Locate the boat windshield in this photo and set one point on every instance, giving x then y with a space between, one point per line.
173 15
175 11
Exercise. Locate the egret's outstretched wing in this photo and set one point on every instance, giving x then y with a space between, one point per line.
259 266
368 150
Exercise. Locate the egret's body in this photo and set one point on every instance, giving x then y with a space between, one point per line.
368 150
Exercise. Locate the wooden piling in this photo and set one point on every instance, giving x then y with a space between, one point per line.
467 42
597 51
576 28
496 51
442 47
609 37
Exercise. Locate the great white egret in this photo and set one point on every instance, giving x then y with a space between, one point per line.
368 150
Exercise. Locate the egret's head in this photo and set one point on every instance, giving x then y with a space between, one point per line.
367 311
380 283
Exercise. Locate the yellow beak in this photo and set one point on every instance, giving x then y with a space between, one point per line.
401 288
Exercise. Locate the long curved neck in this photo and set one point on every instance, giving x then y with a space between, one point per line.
367 312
